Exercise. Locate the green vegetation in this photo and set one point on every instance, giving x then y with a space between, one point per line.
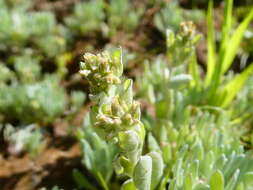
162 113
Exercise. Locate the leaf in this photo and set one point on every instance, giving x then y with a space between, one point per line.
247 179
201 186
164 181
220 162
179 172
210 44
179 81
209 162
183 151
152 143
217 73
167 153
233 87
81 180
95 140
142 173
188 185
217 181
129 140
128 91
234 42
55 188
240 186
157 168
117 58
161 109
102 181
195 72
194 168
88 158
198 150
226 26
233 180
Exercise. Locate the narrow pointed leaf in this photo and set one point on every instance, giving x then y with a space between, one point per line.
210 44
234 43
233 87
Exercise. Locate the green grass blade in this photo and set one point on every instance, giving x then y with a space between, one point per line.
226 26
210 44
232 88
214 78
234 42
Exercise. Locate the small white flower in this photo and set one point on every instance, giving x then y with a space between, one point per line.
85 72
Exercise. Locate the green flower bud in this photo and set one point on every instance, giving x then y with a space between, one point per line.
102 70
187 29
136 110
170 37
129 140
127 119
103 120
116 108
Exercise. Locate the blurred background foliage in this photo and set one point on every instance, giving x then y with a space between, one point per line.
41 44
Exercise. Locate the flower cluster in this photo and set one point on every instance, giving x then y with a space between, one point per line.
117 114
101 71
116 117
187 29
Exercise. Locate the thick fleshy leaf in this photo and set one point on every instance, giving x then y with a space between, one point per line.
142 173
217 181
157 168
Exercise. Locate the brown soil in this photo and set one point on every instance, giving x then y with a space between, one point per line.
53 166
